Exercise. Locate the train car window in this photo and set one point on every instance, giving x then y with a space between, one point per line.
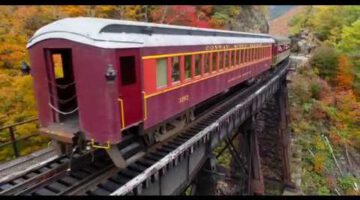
214 61
233 58
241 57
58 66
175 70
187 66
252 54
197 64
238 56
264 52
227 59
206 63
256 53
161 72
246 55
127 70
260 52
221 60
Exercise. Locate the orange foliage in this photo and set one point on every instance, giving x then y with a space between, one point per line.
319 161
318 112
350 108
335 138
344 76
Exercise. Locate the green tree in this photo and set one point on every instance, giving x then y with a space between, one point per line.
325 59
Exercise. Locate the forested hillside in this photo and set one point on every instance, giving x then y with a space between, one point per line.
18 23
325 99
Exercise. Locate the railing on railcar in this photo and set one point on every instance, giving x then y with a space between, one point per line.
11 141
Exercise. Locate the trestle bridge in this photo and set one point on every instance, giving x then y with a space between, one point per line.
251 124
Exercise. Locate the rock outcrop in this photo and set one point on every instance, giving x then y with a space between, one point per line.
250 19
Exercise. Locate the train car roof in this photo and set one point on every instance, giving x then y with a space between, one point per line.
281 39
110 33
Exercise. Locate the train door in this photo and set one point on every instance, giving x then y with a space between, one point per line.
62 89
130 96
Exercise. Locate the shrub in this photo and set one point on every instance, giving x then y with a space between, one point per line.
325 59
347 183
315 91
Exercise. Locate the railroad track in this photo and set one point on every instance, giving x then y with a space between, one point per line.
101 177
65 170
24 164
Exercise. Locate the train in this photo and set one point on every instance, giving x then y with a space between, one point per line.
96 80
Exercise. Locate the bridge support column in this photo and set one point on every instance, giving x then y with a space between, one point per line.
205 183
256 180
282 99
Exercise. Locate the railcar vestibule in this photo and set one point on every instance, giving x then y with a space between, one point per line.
60 75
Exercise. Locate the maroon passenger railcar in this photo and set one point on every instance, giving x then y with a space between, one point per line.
97 78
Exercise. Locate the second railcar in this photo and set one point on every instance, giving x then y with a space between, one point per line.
281 49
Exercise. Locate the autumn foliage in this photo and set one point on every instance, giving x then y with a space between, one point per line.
344 75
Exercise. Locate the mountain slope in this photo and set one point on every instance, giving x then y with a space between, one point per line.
277 11
279 25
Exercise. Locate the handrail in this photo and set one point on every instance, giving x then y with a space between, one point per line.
18 123
13 140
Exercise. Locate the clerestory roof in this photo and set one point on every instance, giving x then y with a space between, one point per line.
110 33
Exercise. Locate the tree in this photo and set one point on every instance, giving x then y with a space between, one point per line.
350 39
344 76
325 59
225 16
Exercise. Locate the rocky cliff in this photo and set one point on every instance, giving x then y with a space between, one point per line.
251 19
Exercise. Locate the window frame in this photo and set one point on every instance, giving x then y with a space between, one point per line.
171 70
58 74
246 55
226 59
215 69
186 79
207 62
238 57
220 60
195 67
167 71
233 58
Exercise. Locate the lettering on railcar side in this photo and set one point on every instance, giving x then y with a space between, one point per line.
230 46
184 98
